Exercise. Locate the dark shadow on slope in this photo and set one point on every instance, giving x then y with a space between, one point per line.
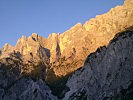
125 94
0 52
122 34
47 52
57 84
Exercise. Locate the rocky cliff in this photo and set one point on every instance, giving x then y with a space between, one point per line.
107 74
16 83
79 41
62 54
66 52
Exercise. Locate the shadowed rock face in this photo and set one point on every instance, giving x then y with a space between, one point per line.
15 84
107 73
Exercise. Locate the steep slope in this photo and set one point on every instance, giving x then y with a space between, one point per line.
66 52
69 50
81 40
62 54
32 49
6 50
16 83
107 73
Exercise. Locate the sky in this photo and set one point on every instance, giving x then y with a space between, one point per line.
24 17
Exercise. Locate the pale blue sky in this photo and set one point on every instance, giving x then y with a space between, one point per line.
23 17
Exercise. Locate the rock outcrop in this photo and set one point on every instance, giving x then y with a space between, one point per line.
66 52
17 85
31 49
107 73
81 40
6 50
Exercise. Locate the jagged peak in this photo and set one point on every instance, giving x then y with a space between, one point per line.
53 35
6 46
58 33
34 35
23 37
78 25
75 27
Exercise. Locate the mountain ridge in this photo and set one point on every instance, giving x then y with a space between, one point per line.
76 43
52 60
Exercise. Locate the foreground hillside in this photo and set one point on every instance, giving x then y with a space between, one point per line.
107 74
16 83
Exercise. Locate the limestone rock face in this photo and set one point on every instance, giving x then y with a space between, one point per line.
32 49
23 70
66 52
52 43
71 43
16 85
128 3
81 40
27 89
113 21
107 73
7 50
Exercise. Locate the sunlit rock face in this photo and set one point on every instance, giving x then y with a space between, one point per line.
70 45
6 50
128 3
105 26
79 41
52 43
66 52
32 49
107 73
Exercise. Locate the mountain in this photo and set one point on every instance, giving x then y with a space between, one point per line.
73 46
81 40
107 74
66 52
54 59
